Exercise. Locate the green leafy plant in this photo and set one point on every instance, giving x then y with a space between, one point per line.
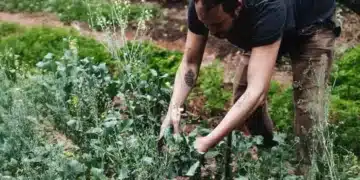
274 163
346 75
7 29
73 94
162 60
72 90
345 115
346 100
210 84
24 148
281 107
34 43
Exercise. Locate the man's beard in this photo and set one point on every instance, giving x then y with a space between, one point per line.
225 34
221 35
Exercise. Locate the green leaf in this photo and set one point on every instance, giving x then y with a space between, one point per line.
76 167
110 124
153 72
204 131
49 56
193 168
291 177
280 138
165 75
99 173
178 138
148 160
167 132
133 141
211 154
94 131
258 140
194 133
123 173
40 64
71 122
242 178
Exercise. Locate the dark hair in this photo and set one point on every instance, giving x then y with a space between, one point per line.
229 6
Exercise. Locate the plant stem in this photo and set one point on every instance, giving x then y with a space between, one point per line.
227 159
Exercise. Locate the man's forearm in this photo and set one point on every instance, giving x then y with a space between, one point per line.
236 116
185 80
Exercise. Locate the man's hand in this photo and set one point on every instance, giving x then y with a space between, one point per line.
202 144
172 118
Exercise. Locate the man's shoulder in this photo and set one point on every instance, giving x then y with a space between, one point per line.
267 20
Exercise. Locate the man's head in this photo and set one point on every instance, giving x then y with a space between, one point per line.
217 15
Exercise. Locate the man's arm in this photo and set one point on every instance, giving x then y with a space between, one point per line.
260 69
186 75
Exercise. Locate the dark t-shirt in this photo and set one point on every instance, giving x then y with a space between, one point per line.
262 22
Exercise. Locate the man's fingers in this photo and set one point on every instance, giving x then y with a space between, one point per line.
176 125
161 135
164 125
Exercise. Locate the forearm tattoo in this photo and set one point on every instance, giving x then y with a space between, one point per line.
190 78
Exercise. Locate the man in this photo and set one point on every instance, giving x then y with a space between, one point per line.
267 29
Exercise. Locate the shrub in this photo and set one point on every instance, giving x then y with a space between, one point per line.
21 5
344 105
72 94
345 114
25 152
163 60
281 107
346 75
7 29
345 111
34 43
210 84
273 163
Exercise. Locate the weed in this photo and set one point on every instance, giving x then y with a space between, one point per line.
210 85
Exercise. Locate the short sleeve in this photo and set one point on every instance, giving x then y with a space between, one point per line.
268 22
194 24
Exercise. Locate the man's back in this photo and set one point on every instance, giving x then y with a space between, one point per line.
308 12
262 22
